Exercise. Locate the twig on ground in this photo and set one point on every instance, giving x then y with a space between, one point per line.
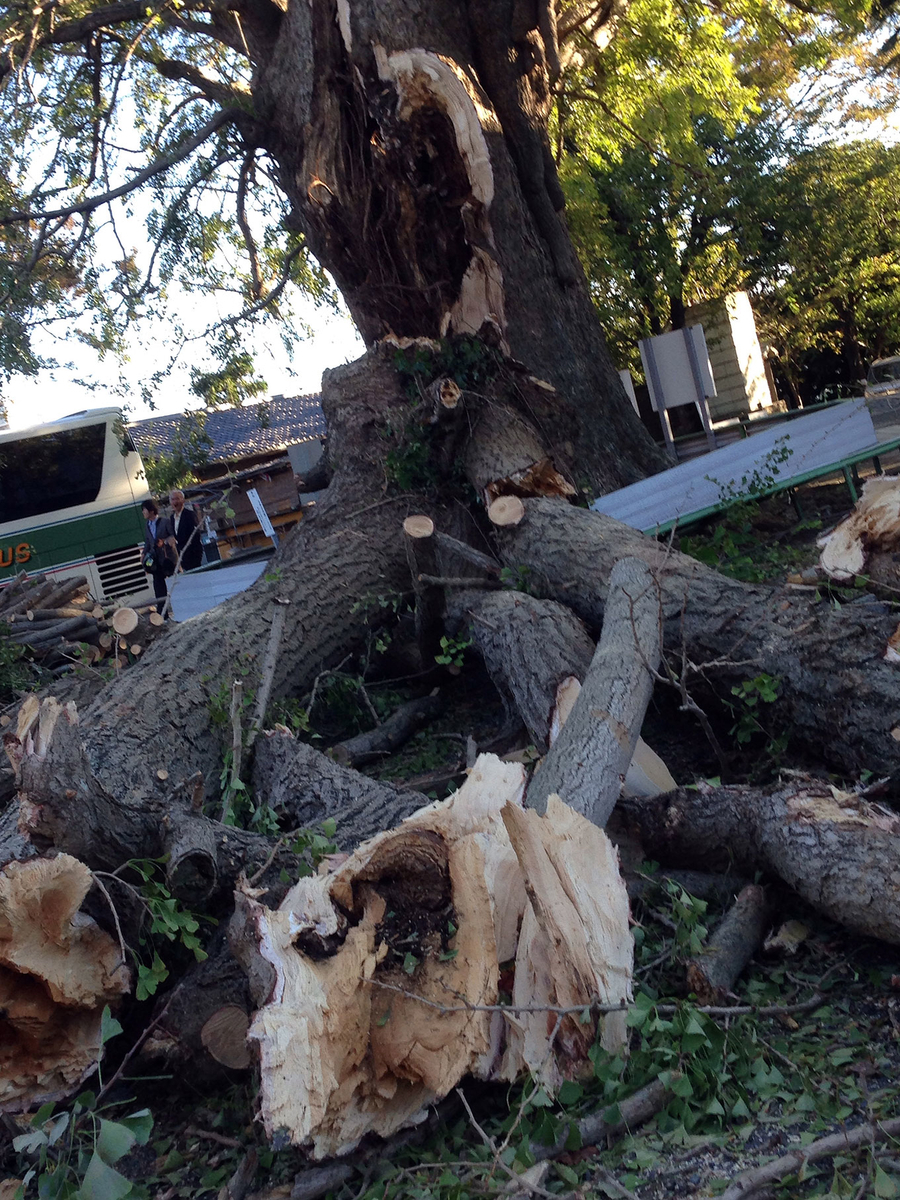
748 1183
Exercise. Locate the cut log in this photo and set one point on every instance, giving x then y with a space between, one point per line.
529 647
58 971
224 1035
391 734
838 851
506 510
414 926
63 806
306 787
418 526
711 976
588 762
840 707
124 621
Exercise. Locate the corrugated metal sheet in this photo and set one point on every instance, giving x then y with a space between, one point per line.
815 441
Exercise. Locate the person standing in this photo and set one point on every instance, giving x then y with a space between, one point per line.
184 521
158 555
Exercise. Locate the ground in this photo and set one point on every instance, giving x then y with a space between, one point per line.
747 1088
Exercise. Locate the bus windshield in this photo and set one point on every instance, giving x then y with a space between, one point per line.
51 471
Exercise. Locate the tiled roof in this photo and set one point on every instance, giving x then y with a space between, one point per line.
262 428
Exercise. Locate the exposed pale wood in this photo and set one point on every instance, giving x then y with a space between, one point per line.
575 942
589 760
225 1036
418 526
353 1043
874 525
506 510
58 970
156 618
124 621
712 974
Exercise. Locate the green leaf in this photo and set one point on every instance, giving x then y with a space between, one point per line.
570 1092
566 1173
102 1182
410 962
885 1187
114 1140
109 1026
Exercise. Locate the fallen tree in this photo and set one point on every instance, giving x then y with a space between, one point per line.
411 144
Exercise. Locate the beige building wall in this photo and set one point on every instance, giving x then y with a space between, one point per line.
735 356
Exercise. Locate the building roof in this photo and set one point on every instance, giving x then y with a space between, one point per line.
265 428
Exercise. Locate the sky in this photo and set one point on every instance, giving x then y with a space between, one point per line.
57 393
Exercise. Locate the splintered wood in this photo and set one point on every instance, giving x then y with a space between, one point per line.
379 986
58 970
874 525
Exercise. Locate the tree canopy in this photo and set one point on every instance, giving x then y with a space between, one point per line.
141 170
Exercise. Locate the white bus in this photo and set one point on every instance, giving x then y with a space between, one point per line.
70 504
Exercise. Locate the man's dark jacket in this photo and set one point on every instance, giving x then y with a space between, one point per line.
187 523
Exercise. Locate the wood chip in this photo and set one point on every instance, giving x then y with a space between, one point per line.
162 773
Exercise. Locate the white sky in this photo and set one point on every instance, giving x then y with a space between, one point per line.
56 393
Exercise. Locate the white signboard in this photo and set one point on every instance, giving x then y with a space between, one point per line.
676 367
261 515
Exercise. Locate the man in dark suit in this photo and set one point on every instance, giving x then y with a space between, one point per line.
184 521
158 554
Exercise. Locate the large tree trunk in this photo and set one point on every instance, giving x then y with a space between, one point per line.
414 151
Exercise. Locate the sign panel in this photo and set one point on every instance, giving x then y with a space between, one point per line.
261 515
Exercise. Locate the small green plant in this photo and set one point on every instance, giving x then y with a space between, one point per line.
517 579
167 918
749 695
408 466
72 1154
760 479
290 713
311 846
453 651
17 674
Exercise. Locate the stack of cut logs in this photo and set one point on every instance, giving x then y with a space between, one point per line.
61 623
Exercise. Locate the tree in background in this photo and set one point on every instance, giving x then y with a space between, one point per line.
832 305
670 150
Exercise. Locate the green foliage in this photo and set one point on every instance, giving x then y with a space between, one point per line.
453 651
749 697
409 466
760 479
167 918
734 546
233 384
71 1153
16 673
190 447
465 359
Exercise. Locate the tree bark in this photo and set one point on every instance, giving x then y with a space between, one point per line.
837 697
414 152
587 763
712 974
838 851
